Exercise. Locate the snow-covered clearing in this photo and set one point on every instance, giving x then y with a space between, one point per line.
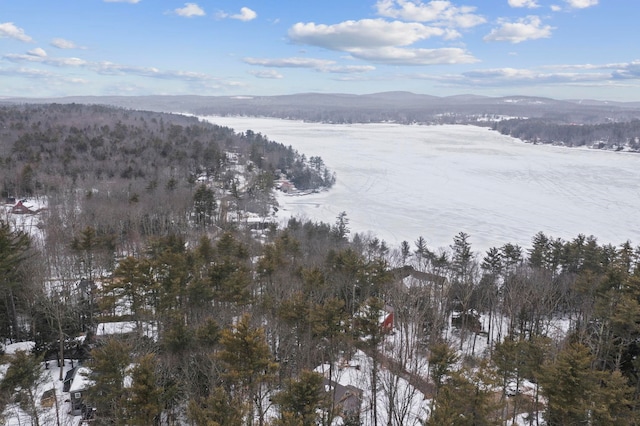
51 411
30 223
12 348
403 181
410 406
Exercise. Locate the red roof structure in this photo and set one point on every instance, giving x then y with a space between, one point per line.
20 208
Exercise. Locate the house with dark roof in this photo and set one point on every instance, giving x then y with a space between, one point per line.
78 385
347 400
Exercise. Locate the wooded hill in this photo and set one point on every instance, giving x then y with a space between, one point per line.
229 323
65 143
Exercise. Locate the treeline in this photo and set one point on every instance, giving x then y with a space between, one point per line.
613 136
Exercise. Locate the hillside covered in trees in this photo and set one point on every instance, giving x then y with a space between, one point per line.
145 227
613 136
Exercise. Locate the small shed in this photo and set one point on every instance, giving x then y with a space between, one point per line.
20 208
387 318
79 385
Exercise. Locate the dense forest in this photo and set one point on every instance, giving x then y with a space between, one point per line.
612 136
145 223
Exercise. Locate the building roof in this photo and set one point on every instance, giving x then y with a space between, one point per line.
20 208
81 380
348 397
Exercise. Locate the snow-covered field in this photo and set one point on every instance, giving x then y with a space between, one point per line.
400 182
56 412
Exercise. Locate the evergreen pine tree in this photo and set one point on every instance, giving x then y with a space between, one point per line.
218 409
21 384
248 363
569 385
466 398
144 404
303 400
108 372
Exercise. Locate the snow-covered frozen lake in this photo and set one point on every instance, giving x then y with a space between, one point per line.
400 182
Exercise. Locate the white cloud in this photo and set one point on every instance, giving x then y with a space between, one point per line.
581 4
381 41
500 76
555 8
350 69
38 51
8 29
112 68
61 43
322 65
503 77
626 71
245 15
294 62
272 74
406 56
39 55
575 74
41 74
196 81
189 10
610 66
440 12
363 34
28 72
529 28
524 3
580 74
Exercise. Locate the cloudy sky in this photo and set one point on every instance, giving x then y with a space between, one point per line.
565 49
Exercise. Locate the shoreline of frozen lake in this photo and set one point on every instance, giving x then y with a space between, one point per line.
399 182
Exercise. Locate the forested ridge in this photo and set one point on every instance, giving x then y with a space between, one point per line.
45 147
612 136
146 223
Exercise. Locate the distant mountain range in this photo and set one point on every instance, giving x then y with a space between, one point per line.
403 107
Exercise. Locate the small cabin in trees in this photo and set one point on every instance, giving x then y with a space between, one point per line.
412 279
20 208
347 400
79 382
387 319
286 186
127 329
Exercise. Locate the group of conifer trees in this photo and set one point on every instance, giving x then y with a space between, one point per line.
228 330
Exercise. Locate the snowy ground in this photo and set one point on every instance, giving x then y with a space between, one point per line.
27 223
400 182
55 413
406 399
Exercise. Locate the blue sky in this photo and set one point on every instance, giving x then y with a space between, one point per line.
565 49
